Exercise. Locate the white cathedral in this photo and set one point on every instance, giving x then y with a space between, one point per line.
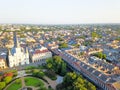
18 55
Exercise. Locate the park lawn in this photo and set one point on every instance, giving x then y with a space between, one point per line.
15 86
31 81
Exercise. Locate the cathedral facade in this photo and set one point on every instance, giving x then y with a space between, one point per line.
18 55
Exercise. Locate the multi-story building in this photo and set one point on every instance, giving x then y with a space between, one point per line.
18 55
3 58
104 75
3 64
39 53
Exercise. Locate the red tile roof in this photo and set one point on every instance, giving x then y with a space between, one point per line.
39 51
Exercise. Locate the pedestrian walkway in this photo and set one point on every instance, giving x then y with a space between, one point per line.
25 87
23 82
51 82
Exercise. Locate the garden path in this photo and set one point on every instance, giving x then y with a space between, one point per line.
51 82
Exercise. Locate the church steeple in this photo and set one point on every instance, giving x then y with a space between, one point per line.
18 44
9 52
27 50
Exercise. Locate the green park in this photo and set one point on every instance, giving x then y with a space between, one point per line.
44 77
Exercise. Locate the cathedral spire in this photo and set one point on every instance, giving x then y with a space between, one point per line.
27 51
9 52
18 44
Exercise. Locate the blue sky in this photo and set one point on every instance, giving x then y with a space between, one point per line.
59 11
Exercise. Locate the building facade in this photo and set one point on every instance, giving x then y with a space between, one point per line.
102 80
3 58
39 53
18 56
3 64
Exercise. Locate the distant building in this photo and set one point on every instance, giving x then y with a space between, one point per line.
83 48
10 44
52 45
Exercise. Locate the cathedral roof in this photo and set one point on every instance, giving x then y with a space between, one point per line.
13 50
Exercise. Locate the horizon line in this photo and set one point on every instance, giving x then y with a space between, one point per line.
59 23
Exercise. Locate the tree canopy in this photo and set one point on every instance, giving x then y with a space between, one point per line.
73 81
95 35
63 45
7 79
57 64
100 55
2 85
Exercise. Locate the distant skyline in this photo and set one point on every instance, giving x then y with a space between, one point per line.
59 11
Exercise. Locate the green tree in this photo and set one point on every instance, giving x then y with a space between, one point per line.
73 81
63 45
49 65
35 72
63 69
49 60
79 84
57 59
7 79
51 74
70 77
91 86
94 35
2 85
56 64
100 55
40 74
104 56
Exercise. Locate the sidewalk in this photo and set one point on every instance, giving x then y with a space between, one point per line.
51 82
